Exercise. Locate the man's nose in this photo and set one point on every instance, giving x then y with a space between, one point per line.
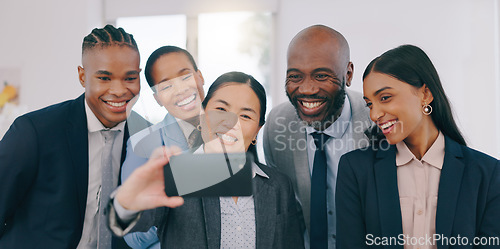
308 87
118 88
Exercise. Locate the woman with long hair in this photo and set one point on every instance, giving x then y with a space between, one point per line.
420 186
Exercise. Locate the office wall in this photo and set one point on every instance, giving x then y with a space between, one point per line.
43 39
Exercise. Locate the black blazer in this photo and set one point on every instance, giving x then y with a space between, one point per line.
368 200
44 177
197 223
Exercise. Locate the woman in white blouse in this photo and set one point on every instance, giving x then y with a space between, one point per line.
418 185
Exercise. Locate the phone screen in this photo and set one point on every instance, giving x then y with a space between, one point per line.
211 174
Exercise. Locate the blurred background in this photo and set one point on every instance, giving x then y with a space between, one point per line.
40 46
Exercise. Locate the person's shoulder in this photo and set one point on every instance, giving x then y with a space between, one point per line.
354 95
274 174
281 117
478 166
367 155
53 112
365 152
358 104
285 109
479 159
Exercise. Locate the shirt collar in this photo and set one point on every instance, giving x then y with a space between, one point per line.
256 170
94 125
186 127
339 127
434 156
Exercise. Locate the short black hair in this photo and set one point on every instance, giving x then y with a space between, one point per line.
410 64
159 53
108 36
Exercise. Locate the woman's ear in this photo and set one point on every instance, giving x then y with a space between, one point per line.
257 133
427 95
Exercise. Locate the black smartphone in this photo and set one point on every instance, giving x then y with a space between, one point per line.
211 174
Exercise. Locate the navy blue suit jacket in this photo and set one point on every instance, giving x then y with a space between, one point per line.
44 177
368 199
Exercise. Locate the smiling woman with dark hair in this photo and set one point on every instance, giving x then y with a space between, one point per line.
421 181
234 108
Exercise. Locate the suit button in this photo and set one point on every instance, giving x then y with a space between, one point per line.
420 212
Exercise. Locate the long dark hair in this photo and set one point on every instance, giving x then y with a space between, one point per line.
410 64
242 78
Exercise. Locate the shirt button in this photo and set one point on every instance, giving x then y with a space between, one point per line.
420 212
238 228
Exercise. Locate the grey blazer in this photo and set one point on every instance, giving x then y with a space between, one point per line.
284 149
197 223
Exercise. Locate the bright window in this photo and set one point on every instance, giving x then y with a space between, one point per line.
151 33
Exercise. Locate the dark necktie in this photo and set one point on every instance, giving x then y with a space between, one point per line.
319 221
194 139
107 185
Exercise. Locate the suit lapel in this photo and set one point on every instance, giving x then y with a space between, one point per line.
387 192
449 187
124 152
302 170
265 222
212 215
77 135
172 133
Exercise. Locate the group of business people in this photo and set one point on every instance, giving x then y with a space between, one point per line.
377 165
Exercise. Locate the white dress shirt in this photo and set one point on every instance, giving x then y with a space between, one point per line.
96 145
339 143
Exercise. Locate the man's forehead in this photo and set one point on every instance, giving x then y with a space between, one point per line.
112 52
312 55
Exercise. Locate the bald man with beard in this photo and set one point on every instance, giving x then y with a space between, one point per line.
320 107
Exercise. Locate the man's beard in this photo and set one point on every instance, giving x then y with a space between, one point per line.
330 117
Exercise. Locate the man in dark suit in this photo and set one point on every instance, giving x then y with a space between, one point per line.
51 159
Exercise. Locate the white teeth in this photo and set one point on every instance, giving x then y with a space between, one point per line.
186 100
311 105
116 104
388 124
227 138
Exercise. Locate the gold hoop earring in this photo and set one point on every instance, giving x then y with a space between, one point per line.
198 127
254 142
426 109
